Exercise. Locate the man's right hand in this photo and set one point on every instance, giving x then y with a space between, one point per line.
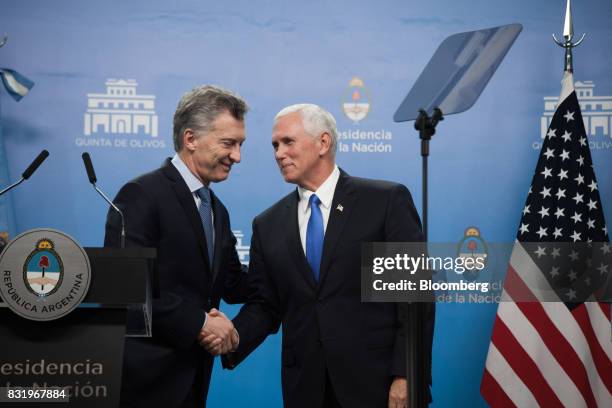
218 335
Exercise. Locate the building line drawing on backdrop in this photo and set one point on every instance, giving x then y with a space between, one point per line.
120 110
596 110
241 248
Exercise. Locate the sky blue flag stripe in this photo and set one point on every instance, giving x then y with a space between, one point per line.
17 86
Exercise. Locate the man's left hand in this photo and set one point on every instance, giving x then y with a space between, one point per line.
398 393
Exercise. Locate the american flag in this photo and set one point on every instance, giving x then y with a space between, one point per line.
545 353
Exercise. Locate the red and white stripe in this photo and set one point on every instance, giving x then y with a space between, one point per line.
541 353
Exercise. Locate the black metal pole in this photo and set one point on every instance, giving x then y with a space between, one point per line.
413 373
425 191
415 368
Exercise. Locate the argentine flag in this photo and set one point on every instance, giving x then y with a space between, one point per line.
16 84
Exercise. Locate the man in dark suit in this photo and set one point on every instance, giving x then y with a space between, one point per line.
305 268
173 210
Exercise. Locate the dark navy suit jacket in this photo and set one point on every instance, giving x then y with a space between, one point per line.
161 213
325 325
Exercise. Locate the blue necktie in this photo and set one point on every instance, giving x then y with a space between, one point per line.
314 236
205 211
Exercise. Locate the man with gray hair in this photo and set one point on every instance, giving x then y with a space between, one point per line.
305 271
174 210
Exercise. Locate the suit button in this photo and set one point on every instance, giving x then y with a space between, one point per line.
209 300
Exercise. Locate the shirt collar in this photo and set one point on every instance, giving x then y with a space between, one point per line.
325 192
193 183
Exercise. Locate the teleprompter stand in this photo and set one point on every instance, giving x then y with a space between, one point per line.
451 83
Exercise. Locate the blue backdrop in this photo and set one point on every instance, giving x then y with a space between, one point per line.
109 74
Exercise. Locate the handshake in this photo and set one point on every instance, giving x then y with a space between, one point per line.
218 336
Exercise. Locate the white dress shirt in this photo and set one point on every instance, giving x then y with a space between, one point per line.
193 183
325 192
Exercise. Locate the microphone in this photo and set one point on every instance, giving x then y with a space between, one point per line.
89 168
29 171
37 162
91 174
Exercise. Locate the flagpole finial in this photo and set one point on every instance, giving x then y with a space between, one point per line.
568 36
3 41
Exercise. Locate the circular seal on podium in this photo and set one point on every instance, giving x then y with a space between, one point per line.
44 274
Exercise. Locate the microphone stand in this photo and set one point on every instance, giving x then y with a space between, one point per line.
15 184
116 209
42 156
91 174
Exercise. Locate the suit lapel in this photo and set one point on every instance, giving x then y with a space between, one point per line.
292 236
340 211
186 200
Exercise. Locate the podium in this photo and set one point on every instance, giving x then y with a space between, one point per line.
83 351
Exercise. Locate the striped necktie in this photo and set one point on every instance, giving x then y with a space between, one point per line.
205 211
